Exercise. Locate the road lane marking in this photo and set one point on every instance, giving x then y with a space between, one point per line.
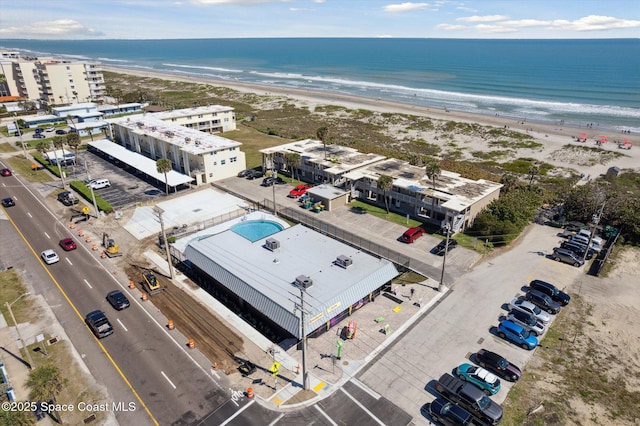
87 283
366 388
29 214
125 328
47 235
326 416
237 413
277 419
68 261
165 376
363 408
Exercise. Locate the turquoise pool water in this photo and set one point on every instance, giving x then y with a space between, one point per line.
254 230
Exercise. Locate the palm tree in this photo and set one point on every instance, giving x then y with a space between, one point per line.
73 140
323 133
534 170
385 183
433 170
45 383
293 162
164 165
509 181
17 418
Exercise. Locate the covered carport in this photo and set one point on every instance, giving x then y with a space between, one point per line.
139 162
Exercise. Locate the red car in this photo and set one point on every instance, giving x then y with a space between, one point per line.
68 244
412 234
5 172
299 190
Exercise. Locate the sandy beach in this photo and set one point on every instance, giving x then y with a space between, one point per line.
552 137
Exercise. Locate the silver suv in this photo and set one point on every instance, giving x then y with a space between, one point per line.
567 256
526 321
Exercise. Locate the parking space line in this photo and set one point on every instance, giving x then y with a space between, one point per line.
277 419
47 235
362 407
366 388
325 415
125 329
68 261
87 283
165 376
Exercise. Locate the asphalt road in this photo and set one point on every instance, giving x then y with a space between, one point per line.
140 362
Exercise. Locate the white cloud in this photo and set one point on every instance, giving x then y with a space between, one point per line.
61 28
214 2
596 23
450 27
487 18
494 29
405 7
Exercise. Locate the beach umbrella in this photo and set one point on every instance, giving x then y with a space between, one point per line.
603 139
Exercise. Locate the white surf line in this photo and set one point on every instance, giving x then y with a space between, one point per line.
165 376
366 388
87 283
381 423
237 413
278 418
125 329
325 415
47 235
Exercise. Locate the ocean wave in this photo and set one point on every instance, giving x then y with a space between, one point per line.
112 60
201 67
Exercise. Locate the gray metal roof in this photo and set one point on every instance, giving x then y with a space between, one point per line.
139 162
266 279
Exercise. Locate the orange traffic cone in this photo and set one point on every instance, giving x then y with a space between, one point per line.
192 344
145 296
170 325
250 393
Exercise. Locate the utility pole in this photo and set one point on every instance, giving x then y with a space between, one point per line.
24 150
274 175
595 219
13 318
164 238
301 307
444 259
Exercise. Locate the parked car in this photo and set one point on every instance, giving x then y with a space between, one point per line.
574 226
567 256
18 133
542 301
470 398
551 291
498 364
38 130
118 300
255 174
299 190
49 256
448 413
269 181
577 248
99 324
528 307
244 173
5 172
61 132
38 136
67 198
517 334
481 378
68 244
49 129
440 248
581 239
412 234
8 202
526 321
594 238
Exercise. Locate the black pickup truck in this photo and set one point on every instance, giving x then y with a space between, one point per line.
470 397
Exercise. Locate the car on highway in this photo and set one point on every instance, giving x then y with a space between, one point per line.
99 324
49 256
8 202
440 248
38 136
412 234
567 256
516 334
61 132
481 378
299 190
5 172
520 304
447 413
542 301
68 244
551 291
118 300
498 364
527 321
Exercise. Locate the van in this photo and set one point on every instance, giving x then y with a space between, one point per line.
587 234
99 183
412 234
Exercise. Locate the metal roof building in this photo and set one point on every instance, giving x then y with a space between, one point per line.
268 274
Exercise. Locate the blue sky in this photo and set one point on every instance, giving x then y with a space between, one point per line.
156 19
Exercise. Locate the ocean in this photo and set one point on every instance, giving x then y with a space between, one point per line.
576 82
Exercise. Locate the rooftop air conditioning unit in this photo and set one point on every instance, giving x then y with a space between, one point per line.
187 139
344 261
154 128
304 281
272 244
169 133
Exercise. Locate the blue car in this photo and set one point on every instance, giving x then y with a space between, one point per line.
517 334
483 379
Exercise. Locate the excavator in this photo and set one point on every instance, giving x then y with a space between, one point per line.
110 247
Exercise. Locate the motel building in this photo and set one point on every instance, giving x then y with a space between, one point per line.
344 174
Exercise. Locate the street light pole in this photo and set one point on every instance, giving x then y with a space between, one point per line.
444 259
166 243
24 150
13 318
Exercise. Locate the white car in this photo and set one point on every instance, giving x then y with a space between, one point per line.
530 308
49 256
49 129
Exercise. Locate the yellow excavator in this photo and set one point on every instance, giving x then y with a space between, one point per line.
110 247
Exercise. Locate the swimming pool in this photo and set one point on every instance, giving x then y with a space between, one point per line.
254 230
